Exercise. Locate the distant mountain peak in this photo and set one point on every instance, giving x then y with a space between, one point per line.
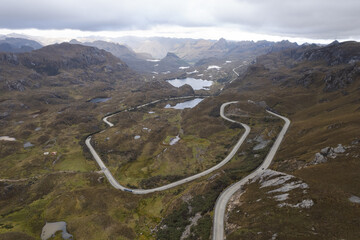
336 42
222 40
171 55
74 41
221 45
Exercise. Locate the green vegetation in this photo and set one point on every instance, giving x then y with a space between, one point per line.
202 229
146 162
48 107
174 223
321 99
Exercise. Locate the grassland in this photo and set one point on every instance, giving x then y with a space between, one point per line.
67 187
150 160
320 118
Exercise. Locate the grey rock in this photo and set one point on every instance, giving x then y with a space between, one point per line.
325 151
100 179
28 144
262 143
331 153
340 79
339 149
354 199
319 158
3 114
262 104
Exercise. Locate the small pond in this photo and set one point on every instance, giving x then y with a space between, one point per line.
196 84
28 144
99 100
188 104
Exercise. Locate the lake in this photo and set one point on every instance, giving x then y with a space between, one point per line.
99 100
196 84
188 104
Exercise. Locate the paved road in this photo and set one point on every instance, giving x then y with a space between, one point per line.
105 119
237 74
115 183
220 207
235 71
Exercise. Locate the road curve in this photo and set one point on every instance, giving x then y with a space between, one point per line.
115 183
220 206
235 71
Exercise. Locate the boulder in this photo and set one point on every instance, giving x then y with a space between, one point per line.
325 151
339 149
331 153
319 158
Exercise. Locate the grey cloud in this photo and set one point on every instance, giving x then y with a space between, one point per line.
301 18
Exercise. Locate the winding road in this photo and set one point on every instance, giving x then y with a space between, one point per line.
115 183
220 207
235 71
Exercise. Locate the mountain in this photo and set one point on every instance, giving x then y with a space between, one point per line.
192 51
18 45
318 89
198 52
59 65
241 51
135 61
158 47
171 62
52 98
335 53
139 62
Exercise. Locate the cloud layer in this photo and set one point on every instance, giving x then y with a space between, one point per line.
317 19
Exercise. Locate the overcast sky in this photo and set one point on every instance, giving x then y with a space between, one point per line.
316 20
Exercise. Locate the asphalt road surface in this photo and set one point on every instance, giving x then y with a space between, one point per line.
220 207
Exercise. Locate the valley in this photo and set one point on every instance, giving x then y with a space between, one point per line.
78 125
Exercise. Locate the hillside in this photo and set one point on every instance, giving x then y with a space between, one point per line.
59 65
53 98
317 88
171 62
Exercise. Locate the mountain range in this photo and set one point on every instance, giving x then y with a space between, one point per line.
18 45
52 98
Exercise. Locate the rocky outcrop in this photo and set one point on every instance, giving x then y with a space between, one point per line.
9 58
282 187
171 63
309 77
327 152
340 79
319 158
334 54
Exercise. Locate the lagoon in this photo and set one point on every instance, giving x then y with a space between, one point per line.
99 100
188 104
196 84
